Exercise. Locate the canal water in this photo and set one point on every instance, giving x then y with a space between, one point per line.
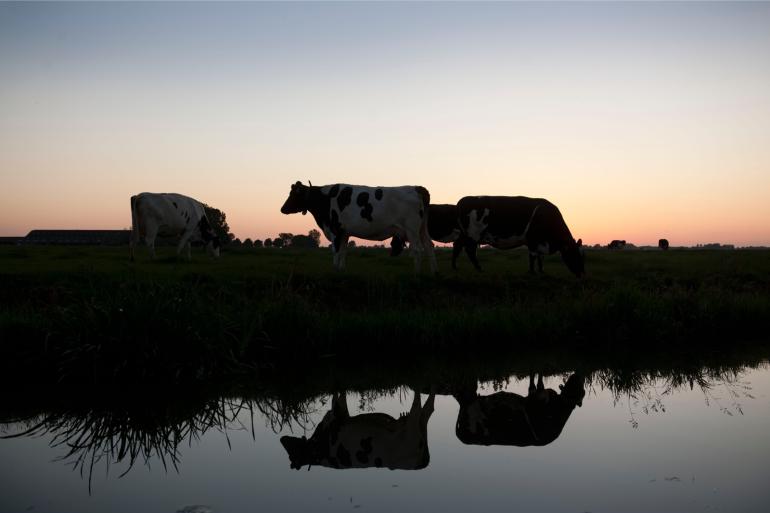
604 441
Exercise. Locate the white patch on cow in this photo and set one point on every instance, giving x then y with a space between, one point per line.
477 224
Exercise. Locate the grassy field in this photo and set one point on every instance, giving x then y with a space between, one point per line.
88 314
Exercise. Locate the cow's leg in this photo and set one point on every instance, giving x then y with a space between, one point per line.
339 245
133 240
427 244
340 404
149 239
531 389
184 242
457 247
540 386
415 248
532 257
470 249
540 258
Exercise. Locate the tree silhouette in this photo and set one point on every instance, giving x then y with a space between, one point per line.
248 243
304 241
218 221
257 243
279 243
316 236
268 242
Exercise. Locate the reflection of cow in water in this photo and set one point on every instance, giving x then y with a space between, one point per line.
505 418
367 440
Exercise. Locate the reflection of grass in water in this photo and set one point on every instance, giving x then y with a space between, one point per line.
115 430
88 315
130 430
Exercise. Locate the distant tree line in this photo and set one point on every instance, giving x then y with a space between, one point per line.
283 240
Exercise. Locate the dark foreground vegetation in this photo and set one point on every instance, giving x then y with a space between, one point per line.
87 315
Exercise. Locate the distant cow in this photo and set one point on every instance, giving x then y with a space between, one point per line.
372 213
368 440
663 244
505 418
507 222
443 226
616 244
170 214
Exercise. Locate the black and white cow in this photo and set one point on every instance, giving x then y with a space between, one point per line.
371 213
369 440
170 214
507 222
505 418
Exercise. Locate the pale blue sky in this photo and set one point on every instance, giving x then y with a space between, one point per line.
601 107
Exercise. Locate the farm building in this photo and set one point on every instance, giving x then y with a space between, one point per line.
78 237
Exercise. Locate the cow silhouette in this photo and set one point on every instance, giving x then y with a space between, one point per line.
368 440
505 418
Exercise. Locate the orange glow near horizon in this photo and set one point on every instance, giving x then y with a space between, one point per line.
635 124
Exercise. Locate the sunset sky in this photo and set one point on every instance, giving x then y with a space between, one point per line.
639 120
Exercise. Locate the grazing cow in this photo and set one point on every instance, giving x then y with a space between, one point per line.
372 213
443 226
170 214
504 418
616 244
368 440
507 222
663 244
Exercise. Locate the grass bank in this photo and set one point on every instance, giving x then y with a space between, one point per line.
89 315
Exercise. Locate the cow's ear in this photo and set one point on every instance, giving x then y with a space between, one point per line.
580 242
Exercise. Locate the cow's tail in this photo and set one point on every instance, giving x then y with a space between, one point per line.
134 236
427 243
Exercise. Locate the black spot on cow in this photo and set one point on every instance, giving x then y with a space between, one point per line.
378 194
344 198
363 201
421 213
485 220
334 191
343 456
334 223
378 462
366 449
174 203
479 213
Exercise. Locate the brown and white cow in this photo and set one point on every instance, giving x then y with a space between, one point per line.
505 418
170 214
371 213
507 222
368 440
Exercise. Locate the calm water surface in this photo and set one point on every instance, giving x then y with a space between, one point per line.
605 442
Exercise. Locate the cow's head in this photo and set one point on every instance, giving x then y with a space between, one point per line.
209 237
574 389
298 200
298 450
574 257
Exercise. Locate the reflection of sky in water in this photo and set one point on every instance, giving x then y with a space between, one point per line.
599 463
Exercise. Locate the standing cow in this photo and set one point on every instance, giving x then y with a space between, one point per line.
368 440
507 222
371 213
505 418
170 214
